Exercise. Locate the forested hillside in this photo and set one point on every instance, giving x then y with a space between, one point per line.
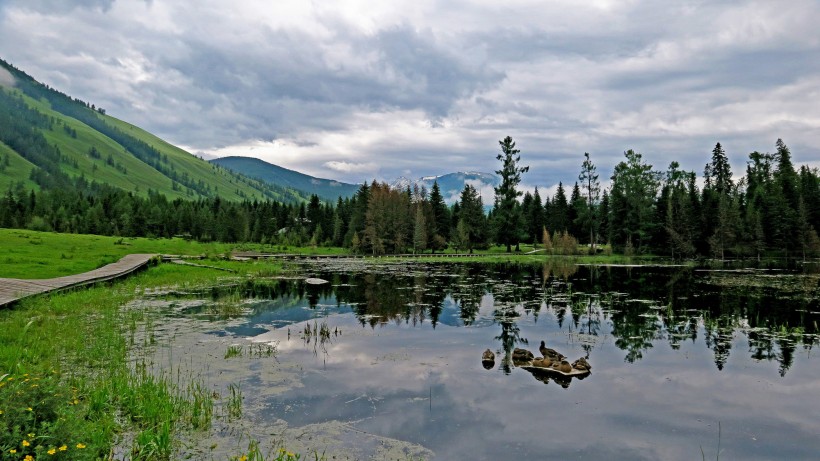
50 140
326 189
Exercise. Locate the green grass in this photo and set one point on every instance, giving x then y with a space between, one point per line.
139 176
18 170
37 255
66 385
227 184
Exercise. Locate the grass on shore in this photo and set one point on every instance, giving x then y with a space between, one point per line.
67 390
38 255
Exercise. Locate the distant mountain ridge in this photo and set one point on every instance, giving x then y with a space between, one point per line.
451 184
326 189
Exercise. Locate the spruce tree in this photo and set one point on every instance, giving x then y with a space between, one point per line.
441 215
592 190
507 211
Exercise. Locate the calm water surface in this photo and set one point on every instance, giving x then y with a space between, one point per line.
676 353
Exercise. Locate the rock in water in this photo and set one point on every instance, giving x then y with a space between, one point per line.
315 281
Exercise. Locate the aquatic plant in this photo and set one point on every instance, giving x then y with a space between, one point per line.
234 404
234 350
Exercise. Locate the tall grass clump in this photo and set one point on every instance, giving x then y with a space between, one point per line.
67 390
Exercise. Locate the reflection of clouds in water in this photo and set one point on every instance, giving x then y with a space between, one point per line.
664 406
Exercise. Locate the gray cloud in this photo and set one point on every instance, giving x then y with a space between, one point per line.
60 6
422 89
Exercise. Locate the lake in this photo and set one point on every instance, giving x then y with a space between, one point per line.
384 361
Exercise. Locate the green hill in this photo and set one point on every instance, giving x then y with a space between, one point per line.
326 189
48 139
14 169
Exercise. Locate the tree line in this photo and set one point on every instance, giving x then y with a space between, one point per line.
773 210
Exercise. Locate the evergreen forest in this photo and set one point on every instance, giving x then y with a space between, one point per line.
773 210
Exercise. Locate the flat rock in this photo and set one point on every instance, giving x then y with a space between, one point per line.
315 281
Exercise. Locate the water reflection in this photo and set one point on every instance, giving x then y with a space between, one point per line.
639 307
674 350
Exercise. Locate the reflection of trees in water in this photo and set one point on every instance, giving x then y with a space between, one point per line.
384 298
514 292
560 268
719 335
468 289
509 337
674 304
644 305
635 327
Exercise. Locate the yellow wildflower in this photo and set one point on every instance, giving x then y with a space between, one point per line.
12 451
52 451
30 435
80 445
28 458
63 448
25 443
243 458
29 409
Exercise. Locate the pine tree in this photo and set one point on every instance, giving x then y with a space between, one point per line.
441 215
472 217
507 212
592 190
634 187
559 210
536 217
577 207
420 231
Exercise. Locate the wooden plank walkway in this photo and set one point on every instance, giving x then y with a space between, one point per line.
12 290
247 255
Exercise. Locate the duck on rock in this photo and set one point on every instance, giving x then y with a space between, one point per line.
552 354
563 366
522 355
488 356
542 362
582 364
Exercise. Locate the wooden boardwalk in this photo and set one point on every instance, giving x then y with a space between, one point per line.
12 290
247 255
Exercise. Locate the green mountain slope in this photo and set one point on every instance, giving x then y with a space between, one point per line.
326 189
14 169
62 139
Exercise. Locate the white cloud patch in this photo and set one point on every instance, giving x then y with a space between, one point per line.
350 167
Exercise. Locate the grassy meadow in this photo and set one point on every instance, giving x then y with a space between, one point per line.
37 255
67 390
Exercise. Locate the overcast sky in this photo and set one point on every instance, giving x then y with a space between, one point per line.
356 90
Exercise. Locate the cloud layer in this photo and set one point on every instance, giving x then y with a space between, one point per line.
355 91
